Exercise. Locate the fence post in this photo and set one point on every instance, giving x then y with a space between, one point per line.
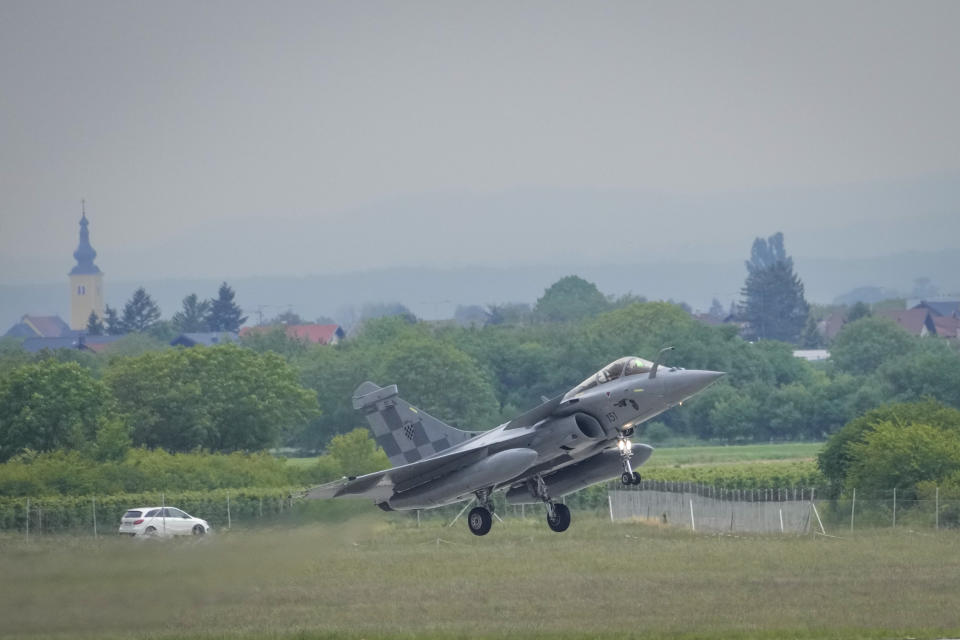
94 502
894 507
261 507
28 519
853 506
937 508
609 504
229 524
692 524
781 520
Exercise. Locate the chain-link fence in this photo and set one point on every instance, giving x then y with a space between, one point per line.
786 510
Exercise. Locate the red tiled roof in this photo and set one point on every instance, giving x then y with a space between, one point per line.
947 326
313 333
913 320
47 326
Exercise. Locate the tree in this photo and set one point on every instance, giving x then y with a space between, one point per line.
773 302
140 312
288 317
223 398
862 346
112 322
442 380
509 313
94 326
837 455
193 317
357 453
717 312
568 300
48 405
892 455
224 314
857 311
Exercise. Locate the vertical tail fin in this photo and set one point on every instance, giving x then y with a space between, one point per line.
405 433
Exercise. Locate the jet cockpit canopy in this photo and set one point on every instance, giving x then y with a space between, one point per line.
629 366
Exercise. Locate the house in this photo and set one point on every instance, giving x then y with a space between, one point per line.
311 333
40 327
917 321
207 339
941 308
833 324
811 355
947 326
93 344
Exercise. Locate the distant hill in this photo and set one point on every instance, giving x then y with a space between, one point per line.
434 293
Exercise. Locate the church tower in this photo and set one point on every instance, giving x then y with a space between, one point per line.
86 281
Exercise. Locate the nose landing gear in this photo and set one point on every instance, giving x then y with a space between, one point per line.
629 476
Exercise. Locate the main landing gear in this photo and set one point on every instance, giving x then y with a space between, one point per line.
629 476
480 518
558 514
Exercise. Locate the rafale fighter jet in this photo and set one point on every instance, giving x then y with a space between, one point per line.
570 442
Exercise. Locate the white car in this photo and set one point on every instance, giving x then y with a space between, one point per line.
161 521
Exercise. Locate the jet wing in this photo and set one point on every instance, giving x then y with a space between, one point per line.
535 415
380 485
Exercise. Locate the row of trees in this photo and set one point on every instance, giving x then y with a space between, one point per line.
220 399
141 314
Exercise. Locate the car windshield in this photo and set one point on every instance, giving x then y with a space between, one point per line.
629 366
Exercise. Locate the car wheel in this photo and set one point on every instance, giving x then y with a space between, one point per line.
150 532
198 530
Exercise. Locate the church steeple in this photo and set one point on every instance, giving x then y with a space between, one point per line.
85 253
86 280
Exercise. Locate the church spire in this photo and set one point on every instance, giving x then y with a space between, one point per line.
85 253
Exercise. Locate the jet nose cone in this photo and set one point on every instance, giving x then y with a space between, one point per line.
692 382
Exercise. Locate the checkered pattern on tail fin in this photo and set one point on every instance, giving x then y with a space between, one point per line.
405 433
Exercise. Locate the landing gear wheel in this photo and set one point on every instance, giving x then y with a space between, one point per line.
626 478
479 520
561 518
636 477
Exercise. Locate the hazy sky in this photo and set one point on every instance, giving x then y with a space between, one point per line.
233 138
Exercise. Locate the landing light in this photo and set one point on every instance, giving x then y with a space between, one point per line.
622 444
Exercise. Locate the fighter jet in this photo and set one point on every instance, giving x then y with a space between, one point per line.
569 442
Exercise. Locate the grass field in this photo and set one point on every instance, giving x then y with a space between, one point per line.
683 456
670 456
376 576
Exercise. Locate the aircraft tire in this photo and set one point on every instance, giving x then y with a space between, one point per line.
626 478
479 520
636 477
561 518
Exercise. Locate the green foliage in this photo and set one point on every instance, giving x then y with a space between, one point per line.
443 381
222 398
49 405
95 326
894 455
192 318
862 346
112 322
225 314
839 454
857 311
570 299
137 470
275 339
356 453
773 302
755 475
931 370
140 312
